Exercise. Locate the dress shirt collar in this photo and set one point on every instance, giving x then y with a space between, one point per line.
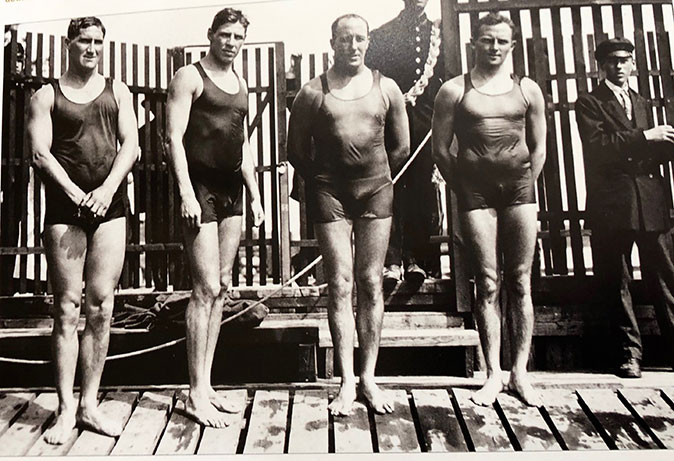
625 89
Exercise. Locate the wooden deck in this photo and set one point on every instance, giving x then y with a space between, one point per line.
581 412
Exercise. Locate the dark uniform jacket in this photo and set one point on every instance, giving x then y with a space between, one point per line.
399 49
625 189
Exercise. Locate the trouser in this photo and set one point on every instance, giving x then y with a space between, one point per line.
611 252
416 215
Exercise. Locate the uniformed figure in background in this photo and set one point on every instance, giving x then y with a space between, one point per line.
407 50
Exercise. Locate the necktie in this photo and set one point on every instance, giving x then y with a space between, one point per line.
626 103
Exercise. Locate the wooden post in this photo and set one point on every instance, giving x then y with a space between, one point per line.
282 155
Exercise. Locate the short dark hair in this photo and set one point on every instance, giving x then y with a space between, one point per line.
493 19
229 16
336 22
77 24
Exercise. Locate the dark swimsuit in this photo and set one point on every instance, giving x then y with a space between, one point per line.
84 142
353 178
213 146
494 163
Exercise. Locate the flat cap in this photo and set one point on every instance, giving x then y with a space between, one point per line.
617 46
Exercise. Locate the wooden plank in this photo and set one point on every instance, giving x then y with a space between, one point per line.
527 424
619 427
181 436
570 420
267 427
42 448
18 439
309 425
116 406
10 405
352 433
439 424
654 411
225 441
668 394
141 434
484 426
395 431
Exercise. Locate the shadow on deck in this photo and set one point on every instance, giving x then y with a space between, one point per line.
581 412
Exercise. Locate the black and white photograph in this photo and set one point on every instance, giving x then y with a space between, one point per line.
306 227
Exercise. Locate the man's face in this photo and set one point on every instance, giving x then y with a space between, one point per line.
618 67
493 44
416 5
227 41
86 49
350 43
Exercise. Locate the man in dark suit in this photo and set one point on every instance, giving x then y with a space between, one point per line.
626 198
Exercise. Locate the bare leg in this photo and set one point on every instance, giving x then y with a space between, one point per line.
104 261
334 240
371 236
229 236
481 229
201 248
518 237
66 248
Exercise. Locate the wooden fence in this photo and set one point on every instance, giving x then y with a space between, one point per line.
557 51
154 248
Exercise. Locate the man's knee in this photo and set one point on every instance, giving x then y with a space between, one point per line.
518 283
487 285
206 292
67 310
341 286
369 283
100 304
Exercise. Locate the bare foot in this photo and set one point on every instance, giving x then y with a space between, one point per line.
377 399
222 404
519 385
343 403
95 421
61 429
204 413
489 391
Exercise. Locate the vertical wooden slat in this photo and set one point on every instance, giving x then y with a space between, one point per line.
25 165
281 230
112 59
134 258
640 51
123 63
149 418
551 169
259 115
567 153
617 21
309 425
64 56
52 55
267 425
249 217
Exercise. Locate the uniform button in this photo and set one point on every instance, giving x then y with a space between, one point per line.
418 49
650 175
417 28
629 159
418 60
418 71
418 39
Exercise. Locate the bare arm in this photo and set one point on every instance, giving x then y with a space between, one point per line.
98 200
397 129
536 125
443 127
248 173
40 138
179 103
299 131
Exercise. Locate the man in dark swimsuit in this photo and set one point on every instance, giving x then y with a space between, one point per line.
74 127
499 121
211 159
349 111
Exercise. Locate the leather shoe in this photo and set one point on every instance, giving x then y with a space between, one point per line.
392 274
415 274
630 369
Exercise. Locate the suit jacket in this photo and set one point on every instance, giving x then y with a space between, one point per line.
625 189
